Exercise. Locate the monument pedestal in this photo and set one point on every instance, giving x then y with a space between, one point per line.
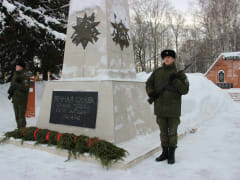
122 110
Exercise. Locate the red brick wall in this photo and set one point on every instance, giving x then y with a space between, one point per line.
236 73
231 70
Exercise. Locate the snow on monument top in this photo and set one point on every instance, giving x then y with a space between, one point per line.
78 5
117 8
121 12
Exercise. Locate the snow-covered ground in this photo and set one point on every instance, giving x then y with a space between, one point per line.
211 152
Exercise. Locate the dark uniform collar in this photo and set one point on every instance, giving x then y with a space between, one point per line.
20 72
172 66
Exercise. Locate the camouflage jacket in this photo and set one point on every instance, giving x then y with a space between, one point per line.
19 87
169 102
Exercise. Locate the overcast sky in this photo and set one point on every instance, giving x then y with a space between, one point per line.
187 7
182 5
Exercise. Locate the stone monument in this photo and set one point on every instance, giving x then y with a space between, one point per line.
98 94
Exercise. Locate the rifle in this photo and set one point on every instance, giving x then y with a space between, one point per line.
154 95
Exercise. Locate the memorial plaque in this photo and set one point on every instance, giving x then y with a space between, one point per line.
75 108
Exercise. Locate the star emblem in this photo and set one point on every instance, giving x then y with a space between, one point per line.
85 31
120 34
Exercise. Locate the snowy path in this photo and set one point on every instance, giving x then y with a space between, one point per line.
210 153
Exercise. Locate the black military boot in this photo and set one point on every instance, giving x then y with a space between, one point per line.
171 155
164 155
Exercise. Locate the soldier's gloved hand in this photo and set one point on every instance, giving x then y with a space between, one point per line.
152 94
172 76
9 90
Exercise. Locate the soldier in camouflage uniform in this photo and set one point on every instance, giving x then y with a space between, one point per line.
18 92
167 107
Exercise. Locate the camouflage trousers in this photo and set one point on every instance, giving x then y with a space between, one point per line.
20 111
168 130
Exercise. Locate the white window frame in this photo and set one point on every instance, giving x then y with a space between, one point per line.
221 71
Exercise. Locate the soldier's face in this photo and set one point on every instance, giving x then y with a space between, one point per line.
168 60
19 68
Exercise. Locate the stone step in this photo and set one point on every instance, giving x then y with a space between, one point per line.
235 97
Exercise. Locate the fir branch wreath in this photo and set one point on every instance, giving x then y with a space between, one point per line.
106 152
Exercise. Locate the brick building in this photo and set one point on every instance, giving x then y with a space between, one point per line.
225 71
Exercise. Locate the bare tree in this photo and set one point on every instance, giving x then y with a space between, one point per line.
217 19
152 14
156 19
177 26
139 40
216 30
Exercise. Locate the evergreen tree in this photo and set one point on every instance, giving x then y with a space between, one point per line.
30 28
